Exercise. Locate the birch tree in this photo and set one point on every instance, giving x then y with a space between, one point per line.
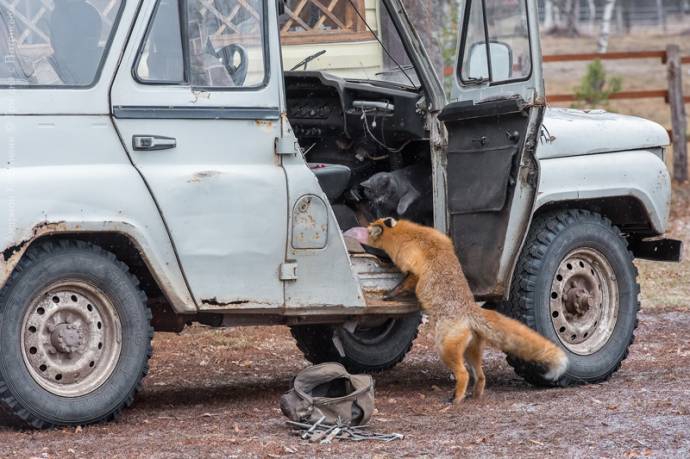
572 10
661 12
592 16
561 17
605 33
549 18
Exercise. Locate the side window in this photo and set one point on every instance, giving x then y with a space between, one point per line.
55 42
160 59
223 39
498 35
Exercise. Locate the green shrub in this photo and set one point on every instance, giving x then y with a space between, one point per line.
596 88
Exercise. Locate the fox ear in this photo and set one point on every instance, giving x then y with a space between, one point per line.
375 231
390 222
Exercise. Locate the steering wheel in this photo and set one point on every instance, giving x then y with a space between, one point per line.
236 62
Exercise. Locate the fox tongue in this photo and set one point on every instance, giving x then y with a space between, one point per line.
359 234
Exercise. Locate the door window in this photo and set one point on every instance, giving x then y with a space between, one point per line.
219 44
55 42
162 60
497 32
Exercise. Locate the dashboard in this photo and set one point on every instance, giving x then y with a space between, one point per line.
323 105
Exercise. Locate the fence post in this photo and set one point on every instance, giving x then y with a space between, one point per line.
678 114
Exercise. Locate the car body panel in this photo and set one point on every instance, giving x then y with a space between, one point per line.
640 174
55 181
568 132
220 189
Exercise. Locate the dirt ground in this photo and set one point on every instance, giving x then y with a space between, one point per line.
215 393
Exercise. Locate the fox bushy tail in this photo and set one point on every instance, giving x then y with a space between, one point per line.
512 337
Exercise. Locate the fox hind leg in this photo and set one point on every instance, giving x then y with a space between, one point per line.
453 349
473 355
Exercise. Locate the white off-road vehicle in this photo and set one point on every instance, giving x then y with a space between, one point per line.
160 167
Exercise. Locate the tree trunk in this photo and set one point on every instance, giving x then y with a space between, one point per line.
591 4
573 13
603 44
661 12
549 22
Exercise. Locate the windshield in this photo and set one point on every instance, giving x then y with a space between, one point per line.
338 39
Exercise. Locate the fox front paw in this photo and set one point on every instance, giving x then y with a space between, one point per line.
455 401
396 294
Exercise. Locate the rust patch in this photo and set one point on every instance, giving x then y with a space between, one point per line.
199 176
265 125
214 302
39 229
10 251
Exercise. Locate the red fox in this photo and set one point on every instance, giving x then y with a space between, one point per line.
462 327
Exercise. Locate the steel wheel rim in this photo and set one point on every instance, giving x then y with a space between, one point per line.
71 338
584 301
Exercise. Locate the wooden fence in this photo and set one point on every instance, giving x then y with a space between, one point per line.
672 94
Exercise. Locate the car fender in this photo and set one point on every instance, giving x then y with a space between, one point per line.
641 174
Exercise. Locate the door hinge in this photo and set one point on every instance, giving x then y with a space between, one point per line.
288 271
286 146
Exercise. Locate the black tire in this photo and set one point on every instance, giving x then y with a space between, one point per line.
552 237
369 350
79 263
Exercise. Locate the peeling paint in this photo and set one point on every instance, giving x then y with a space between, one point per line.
265 125
13 253
37 230
215 302
199 176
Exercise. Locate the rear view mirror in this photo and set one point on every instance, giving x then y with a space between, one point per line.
501 61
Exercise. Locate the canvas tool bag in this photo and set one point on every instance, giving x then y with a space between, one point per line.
329 391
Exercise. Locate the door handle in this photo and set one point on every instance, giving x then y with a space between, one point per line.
153 143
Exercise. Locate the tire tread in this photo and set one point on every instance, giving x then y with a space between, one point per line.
521 305
34 255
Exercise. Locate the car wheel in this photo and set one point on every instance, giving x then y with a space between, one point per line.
372 347
75 336
576 284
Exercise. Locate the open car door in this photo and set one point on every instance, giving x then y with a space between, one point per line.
493 124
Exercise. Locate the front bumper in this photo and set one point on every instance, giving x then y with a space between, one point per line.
658 249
